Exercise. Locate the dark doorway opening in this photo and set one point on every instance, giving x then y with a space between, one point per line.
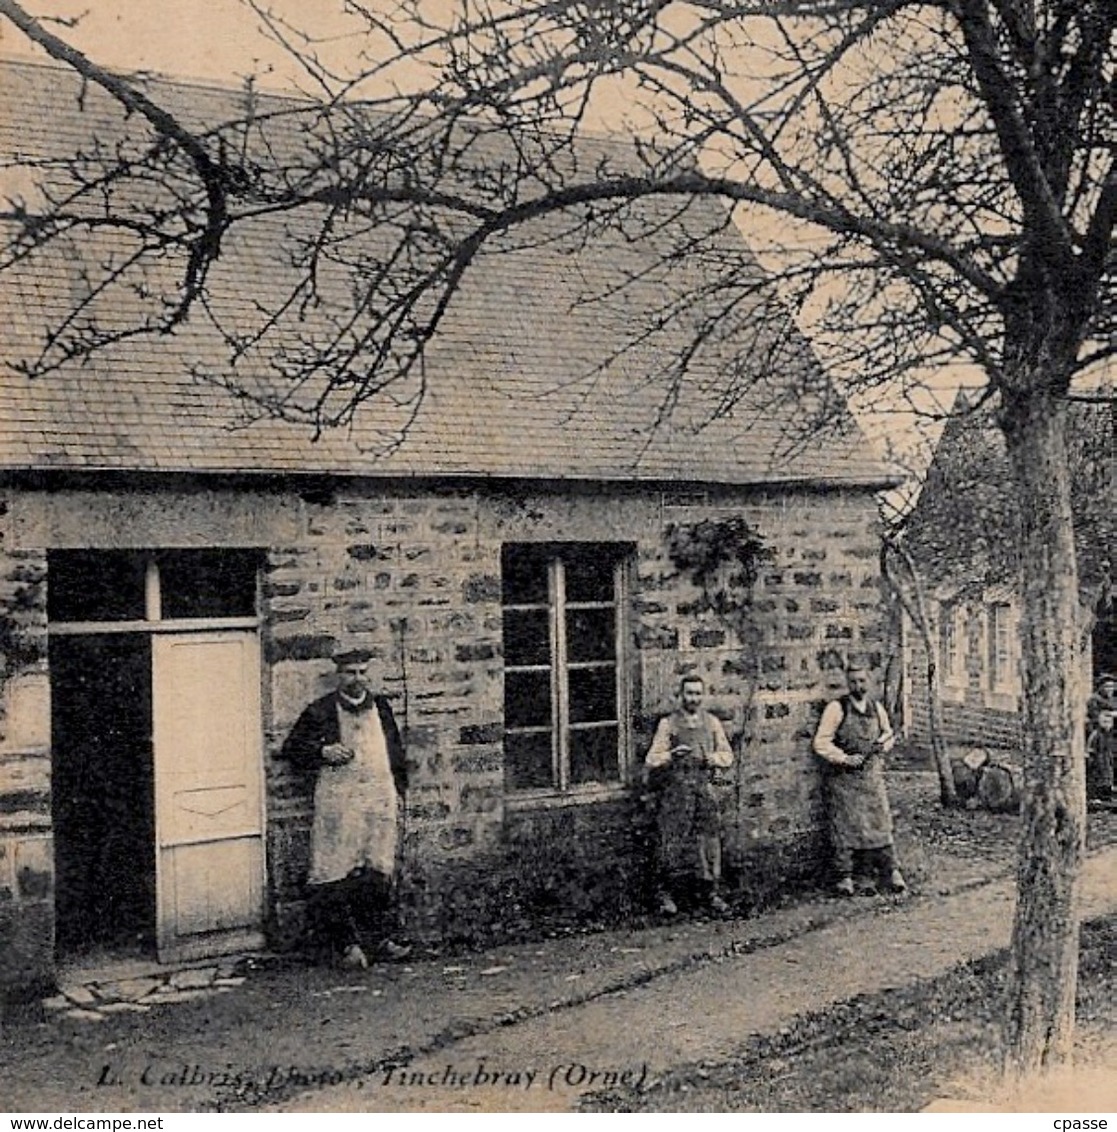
103 793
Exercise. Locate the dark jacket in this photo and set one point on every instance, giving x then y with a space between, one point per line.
318 727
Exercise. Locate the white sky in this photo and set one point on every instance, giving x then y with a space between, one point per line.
216 40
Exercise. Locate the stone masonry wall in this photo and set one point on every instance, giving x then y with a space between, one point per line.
973 716
26 852
413 573
416 578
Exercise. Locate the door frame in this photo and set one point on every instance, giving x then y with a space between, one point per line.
153 625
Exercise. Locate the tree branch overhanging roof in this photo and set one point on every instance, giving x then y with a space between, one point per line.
563 357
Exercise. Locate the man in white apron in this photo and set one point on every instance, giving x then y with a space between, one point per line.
349 747
853 737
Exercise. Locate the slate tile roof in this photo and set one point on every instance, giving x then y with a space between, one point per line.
963 529
525 379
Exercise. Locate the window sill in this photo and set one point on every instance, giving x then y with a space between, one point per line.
549 800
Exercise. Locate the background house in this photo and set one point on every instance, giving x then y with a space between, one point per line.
961 535
174 579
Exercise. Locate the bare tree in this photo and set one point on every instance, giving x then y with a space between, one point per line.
908 587
905 581
933 184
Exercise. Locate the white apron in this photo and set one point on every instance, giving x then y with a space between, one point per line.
356 820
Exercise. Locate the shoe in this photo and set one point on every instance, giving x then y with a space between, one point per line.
395 950
844 887
667 906
354 958
896 881
718 905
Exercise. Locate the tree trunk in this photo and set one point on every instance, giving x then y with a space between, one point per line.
1039 1025
948 793
948 790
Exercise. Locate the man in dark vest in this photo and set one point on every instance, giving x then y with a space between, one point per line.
1101 739
348 747
688 744
852 739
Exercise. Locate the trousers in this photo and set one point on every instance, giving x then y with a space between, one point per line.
881 860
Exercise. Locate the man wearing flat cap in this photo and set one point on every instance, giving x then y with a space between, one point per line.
348 747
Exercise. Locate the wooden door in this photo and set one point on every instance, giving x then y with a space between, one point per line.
209 827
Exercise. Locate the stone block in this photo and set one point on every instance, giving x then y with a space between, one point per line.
478 734
289 616
368 552
34 868
26 950
707 638
128 990
477 762
480 588
455 838
453 527
655 638
456 621
282 589
299 646
26 708
482 799
193 978
423 737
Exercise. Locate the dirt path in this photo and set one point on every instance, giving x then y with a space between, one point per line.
637 1000
701 1013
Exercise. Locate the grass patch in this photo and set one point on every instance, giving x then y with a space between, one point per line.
894 1051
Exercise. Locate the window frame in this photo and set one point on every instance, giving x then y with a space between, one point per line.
1001 677
153 620
951 653
561 790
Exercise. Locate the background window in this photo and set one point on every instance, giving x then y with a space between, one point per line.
564 695
950 641
999 642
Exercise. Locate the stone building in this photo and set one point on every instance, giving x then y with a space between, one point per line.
961 535
174 580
